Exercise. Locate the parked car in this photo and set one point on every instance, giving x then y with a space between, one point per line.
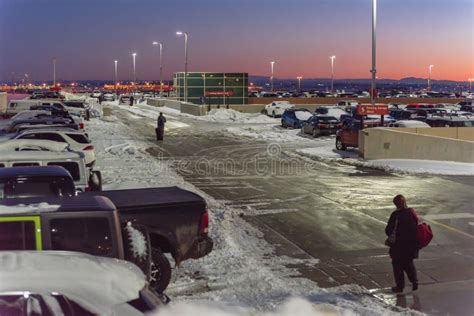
69 283
23 115
295 117
138 225
319 125
96 94
335 111
125 99
276 108
348 104
25 182
409 124
73 162
467 105
43 121
454 121
77 140
348 136
413 106
108 96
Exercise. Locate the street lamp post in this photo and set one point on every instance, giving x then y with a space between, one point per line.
430 67
299 83
161 66
134 55
180 33
332 58
272 64
116 80
470 84
374 52
54 71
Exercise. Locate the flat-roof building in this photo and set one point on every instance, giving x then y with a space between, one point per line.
213 87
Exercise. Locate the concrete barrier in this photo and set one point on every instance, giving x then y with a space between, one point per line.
183 107
384 143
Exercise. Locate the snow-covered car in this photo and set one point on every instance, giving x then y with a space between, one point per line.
125 99
21 116
409 124
348 104
71 161
96 94
295 117
108 96
71 283
276 108
335 111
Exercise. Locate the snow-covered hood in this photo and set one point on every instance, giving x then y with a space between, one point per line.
97 283
16 144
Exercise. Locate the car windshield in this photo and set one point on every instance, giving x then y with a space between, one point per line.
35 188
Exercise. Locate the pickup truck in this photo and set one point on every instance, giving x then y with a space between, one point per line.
138 225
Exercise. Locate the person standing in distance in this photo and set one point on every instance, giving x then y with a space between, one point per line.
401 232
160 126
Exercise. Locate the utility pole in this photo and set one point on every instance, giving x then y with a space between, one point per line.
54 71
374 52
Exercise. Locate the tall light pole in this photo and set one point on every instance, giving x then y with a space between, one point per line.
272 65
332 58
161 66
180 33
430 67
54 71
299 83
374 52
134 55
116 80
470 84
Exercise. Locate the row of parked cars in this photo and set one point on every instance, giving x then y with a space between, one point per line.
341 120
68 246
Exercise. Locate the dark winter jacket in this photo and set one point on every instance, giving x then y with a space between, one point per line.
406 246
161 121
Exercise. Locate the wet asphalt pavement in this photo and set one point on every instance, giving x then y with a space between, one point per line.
331 211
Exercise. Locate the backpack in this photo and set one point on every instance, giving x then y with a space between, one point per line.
424 234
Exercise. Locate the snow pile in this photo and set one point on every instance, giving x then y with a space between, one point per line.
292 307
137 241
28 208
232 116
327 150
422 166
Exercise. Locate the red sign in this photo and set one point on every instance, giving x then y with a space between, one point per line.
219 93
367 109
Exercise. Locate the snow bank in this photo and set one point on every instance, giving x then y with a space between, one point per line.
232 116
292 307
422 166
327 151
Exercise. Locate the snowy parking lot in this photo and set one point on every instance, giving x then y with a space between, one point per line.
271 194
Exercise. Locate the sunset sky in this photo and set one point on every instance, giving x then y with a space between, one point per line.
236 36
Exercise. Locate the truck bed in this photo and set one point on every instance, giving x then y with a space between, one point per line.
130 199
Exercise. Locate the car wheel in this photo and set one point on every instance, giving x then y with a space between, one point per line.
340 145
315 133
283 124
160 275
273 114
95 181
295 126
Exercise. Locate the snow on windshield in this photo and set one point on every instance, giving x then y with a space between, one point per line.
303 115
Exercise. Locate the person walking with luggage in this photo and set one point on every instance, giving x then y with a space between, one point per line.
160 128
132 99
402 239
